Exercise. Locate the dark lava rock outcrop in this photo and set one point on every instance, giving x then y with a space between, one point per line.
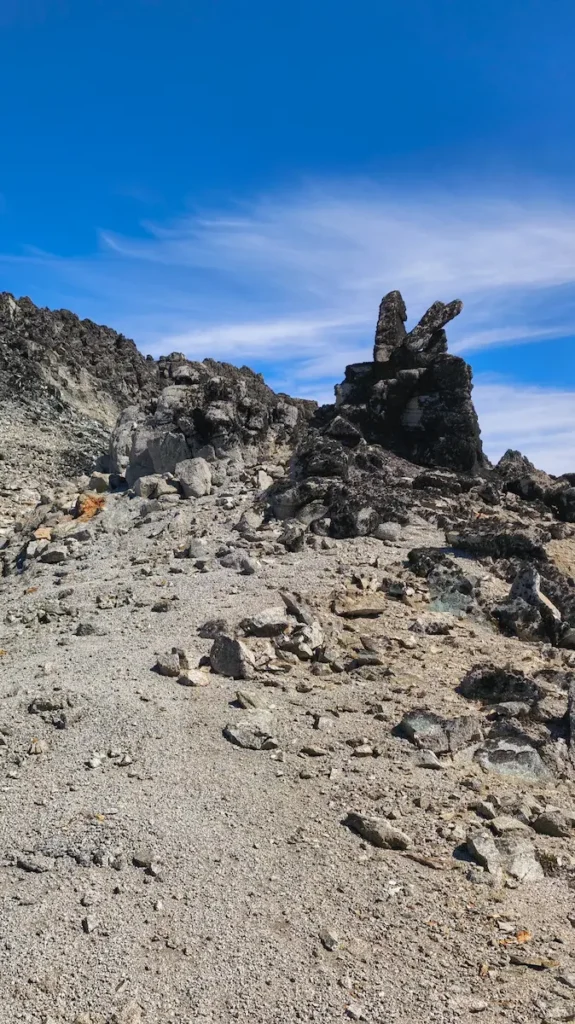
414 398
411 406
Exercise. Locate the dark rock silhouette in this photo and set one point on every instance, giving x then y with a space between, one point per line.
414 398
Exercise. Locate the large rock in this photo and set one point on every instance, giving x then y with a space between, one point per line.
230 657
195 477
413 402
414 399
203 408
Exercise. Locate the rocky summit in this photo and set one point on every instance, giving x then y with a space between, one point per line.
287 693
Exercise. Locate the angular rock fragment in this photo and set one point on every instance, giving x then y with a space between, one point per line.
510 855
194 477
552 823
269 622
255 731
377 831
506 757
440 735
231 657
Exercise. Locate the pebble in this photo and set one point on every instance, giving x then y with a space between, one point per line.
329 939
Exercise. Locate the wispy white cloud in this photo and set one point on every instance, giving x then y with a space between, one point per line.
292 282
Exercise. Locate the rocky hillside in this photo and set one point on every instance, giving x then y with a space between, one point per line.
64 382
288 707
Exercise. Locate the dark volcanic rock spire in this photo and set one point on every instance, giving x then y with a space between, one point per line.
415 398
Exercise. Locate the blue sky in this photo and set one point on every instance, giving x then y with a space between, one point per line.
246 179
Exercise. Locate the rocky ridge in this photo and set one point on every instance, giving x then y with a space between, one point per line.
287 715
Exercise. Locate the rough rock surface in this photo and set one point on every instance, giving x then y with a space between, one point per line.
378 824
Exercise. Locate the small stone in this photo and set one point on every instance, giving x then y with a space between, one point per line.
428 759
355 1011
39 747
368 606
254 731
246 699
484 809
89 923
377 831
506 823
270 622
329 939
168 665
567 978
388 531
54 554
363 750
193 677
35 863
481 846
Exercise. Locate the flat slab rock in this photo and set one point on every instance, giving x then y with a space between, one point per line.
364 607
440 735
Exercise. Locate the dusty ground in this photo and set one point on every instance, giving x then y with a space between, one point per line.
246 863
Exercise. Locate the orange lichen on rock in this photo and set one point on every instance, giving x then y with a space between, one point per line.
88 506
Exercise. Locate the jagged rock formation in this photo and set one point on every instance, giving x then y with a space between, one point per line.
209 410
53 357
410 407
414 398
63 382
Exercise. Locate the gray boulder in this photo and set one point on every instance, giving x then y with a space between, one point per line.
195 477
230 657
254 731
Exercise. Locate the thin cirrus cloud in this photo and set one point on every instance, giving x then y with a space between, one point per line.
308 269
291 283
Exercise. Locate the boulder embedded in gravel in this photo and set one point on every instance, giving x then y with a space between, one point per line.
552 823
509 854
172 664
99 482
269 622
297 607
377 831
511 757
146 486
254 731
230 657
54 554
388 531
195 477
493 685
440 735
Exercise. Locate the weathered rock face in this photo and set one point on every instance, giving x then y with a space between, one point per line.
208 410
63 382
54 355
